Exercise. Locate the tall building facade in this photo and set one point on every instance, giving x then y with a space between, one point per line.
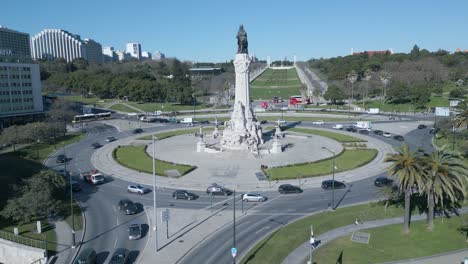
122 55
134 49
158 56
109 54
51 44
145 55
20 83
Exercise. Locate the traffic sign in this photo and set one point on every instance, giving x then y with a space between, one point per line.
233 252
165 216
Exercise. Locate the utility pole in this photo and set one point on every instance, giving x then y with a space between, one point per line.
333 178
154 194
312 243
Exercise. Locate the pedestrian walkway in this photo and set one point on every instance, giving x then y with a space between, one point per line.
65 252
302 253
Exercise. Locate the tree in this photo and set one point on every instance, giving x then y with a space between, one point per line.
457 93
460 120
334 94
37 199
415 52
406 168
445 178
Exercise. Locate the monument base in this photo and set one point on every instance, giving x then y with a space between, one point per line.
201 145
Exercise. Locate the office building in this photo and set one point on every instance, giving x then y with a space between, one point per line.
20 83
158 56
134 49
122 55
51 44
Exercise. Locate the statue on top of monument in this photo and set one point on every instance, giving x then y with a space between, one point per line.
242 43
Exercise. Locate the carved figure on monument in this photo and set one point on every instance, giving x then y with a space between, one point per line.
242 43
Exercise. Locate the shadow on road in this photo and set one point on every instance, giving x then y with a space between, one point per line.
343 196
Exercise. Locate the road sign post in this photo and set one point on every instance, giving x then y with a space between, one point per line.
234 252
165 216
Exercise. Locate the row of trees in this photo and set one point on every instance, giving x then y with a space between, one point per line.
441 176
399 78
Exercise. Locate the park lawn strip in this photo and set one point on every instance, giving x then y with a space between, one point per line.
277 246
166 107
347 160
173 133
389 243
122 108
333 135
30 231
135 157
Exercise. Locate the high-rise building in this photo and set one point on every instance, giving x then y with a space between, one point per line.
158 56
109 54
145 55
20 83
57 43
122 55
134 49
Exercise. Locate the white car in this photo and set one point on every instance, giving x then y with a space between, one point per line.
338 126
387 135
253 197
318 122
137 189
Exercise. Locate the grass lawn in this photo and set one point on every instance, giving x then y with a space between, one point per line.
84 100
306 118
281 83
267 93
122 108
347 160
333 135
135 157
389 243
169 134
386 107
29 231
165 107
274 248
78 218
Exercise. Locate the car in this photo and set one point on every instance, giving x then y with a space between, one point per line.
383 181
318 122
110 139
289 188
422 126
128 207
120 256
434 130
137 189
134 231
96 145
351 129
204 122
253 197
183 194
333 184
216 189
75 186
363 131
137 131
378 132
263 122
399 138
61 158
338 126
87 255
387 135
163 120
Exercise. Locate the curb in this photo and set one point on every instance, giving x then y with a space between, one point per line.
82 236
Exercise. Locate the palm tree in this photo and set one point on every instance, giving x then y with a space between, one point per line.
460 120
445 178
406 169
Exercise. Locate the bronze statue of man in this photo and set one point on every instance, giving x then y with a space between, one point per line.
242 43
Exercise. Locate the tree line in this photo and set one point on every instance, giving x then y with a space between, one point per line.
398 78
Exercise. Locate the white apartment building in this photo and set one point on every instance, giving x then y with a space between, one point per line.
134 49
57 43
109 54
145 55
122 55
158 55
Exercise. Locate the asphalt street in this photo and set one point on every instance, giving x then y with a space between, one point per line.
106 227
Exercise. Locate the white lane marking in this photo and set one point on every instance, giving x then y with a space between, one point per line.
114 208
115 243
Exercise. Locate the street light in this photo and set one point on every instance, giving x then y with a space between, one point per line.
154 193
333 178
312 242
71 198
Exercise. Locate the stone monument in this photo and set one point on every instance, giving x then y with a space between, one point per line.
201 145
243 131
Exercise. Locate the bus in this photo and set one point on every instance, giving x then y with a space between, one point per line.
297 99
91 117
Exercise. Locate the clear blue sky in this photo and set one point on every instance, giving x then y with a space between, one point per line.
204 30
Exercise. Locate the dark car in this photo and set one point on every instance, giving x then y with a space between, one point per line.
364 131
163 120
137 130
61 158
378 132
333 184
86 256
216 189
434 130
422 126
351 129
183 194
204 122
128 207
383 181
120 256
75 186
399 138
96 145
263 122
288 188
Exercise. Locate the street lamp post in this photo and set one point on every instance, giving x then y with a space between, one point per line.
71 198
333 178
312 242
234 225
154 194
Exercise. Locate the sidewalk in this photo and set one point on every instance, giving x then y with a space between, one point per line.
103 160
65 253
302 253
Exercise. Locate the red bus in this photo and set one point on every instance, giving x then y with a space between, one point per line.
297 99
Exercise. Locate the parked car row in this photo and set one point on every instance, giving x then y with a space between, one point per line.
388 135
